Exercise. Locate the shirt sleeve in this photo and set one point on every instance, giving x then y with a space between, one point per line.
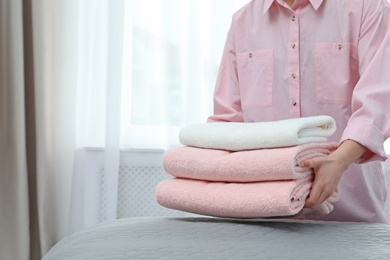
369 123
227 102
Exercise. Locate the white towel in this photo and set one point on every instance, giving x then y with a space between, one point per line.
233 136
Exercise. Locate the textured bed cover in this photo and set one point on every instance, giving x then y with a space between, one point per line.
215 238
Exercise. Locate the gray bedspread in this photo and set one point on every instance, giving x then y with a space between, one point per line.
214 238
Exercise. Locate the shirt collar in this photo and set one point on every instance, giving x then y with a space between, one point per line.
267 4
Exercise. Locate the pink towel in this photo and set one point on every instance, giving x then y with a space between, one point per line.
243 166
239 200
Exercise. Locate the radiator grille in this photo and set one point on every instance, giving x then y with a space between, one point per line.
136 193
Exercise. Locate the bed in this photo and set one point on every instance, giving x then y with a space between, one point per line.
218 238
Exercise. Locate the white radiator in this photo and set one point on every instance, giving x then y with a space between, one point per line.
136 191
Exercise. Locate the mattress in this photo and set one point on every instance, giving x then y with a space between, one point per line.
216 238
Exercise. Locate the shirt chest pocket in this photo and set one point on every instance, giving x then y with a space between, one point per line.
337 72
255 78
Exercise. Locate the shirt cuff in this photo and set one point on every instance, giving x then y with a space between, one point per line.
369 136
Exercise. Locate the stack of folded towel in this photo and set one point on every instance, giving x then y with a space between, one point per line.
246 170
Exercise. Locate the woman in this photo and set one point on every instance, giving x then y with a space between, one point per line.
286 59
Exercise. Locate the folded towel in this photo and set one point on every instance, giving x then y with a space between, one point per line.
237 200
243 166
247 136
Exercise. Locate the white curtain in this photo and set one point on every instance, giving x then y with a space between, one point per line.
144 69
160 56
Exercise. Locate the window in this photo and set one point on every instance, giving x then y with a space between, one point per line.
170 59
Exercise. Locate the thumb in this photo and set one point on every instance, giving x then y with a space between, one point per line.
308 163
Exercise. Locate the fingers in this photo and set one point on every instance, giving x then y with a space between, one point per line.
316 196
312 200
307 163
320 192
314 203
327 176
312 163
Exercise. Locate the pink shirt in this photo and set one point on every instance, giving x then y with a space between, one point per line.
321 57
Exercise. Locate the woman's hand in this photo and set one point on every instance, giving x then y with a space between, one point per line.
329 169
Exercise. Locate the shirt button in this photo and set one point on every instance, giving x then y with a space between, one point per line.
294 103
293 46
251 55
293 18
340 46
293 76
